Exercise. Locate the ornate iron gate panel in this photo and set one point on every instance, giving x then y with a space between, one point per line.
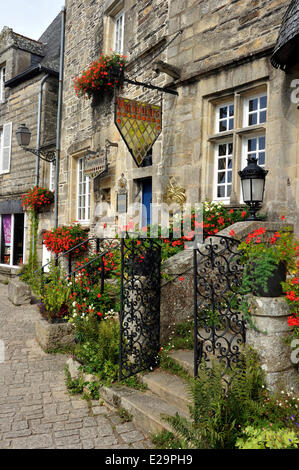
140 305
219 327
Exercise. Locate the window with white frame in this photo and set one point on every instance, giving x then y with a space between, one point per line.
225 117
119 30
52 177
254 147
5 147
255 110
2 81
223 170
83 205
234 140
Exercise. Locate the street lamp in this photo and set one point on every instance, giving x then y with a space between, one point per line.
23 137
253 179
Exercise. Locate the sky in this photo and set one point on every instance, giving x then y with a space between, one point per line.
29 17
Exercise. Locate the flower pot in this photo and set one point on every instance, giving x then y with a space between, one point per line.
274 288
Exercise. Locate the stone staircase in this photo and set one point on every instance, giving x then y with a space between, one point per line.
166 394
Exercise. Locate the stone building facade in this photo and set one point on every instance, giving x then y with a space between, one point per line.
24 64
231 103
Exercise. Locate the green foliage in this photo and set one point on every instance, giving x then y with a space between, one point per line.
134 382
98 348
268 438
125 416
165 440
217 414
74 386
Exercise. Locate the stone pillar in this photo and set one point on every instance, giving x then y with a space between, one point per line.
270 316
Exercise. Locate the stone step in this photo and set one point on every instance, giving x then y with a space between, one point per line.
169 387
185 358
146 408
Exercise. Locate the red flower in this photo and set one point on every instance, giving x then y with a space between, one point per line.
232 233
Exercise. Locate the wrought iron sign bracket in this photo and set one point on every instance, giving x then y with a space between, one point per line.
47 156
151 87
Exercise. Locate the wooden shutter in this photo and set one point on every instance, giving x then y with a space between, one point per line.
6 148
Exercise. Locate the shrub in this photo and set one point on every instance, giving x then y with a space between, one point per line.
64 238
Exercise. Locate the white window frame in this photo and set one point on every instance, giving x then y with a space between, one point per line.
86 207
218 120
7 127
52 176
246 112
11 265
216 198
118 39
2 81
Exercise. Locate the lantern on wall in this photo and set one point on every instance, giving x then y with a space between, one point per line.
253 179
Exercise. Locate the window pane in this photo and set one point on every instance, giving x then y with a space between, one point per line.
231 110
221 177
222 126
253 104
223 112
221 191
263 102
261 160
230 163
229 176
222 164
229 190
222 150
262 141
263 116
231 124
230 148
251 145
252 119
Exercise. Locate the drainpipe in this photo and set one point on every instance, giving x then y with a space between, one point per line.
39 117
58 130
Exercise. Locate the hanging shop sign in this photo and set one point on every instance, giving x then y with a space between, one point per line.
95 164
139 124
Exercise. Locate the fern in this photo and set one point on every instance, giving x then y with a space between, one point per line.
217 411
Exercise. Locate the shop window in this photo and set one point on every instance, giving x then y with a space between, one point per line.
83 211
12 239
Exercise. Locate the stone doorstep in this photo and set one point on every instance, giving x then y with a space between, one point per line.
166 396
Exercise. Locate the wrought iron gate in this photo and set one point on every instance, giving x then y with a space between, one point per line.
140 305
219 327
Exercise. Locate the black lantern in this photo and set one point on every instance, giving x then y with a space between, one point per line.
253 179
23 135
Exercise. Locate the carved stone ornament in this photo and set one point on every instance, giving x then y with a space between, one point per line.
174 192
122 185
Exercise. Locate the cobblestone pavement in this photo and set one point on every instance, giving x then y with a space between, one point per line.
36 410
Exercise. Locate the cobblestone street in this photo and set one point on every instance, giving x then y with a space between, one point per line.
36 410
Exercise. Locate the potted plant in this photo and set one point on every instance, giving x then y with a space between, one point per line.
101 76
267 259
37 198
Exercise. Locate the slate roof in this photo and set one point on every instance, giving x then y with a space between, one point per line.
51 40
287 46
49 61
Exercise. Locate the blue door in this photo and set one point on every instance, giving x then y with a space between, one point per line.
146 201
